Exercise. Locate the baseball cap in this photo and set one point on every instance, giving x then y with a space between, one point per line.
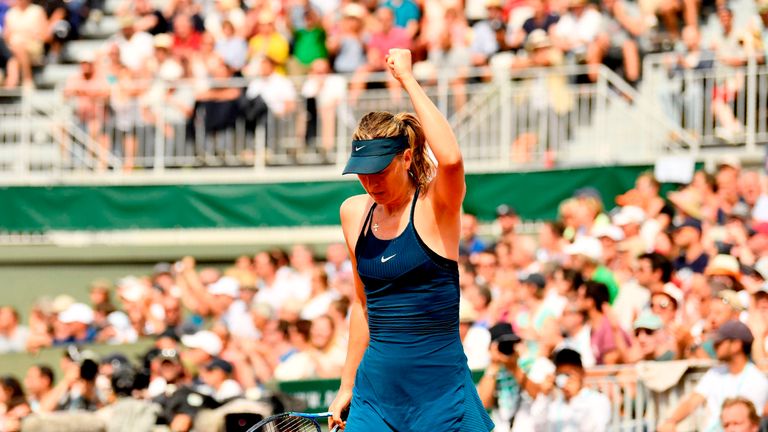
534 279
502 331
723 265
628 215
116 359
729 160
732 299
689 222
226 285
77 312
567 356
505 210
610 231
673 292
734 330
374 155
162 268
648 320
590 247
218 363
205 340
587 192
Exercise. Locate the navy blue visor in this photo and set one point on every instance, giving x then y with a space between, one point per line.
374 155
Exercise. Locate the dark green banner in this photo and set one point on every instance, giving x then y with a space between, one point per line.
535 195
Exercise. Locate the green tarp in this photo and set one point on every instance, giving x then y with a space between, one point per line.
536 196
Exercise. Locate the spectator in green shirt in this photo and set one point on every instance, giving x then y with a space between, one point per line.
586 255
308 44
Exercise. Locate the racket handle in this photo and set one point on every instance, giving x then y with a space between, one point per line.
335 429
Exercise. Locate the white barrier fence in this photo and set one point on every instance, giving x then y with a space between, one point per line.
529 119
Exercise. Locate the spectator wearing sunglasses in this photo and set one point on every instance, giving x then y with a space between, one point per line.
564 403
666 303
738 376
650 342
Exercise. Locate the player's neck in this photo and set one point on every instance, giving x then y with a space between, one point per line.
398 204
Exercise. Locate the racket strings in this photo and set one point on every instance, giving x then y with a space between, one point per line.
291 424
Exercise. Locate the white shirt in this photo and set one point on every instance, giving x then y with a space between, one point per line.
579 30
582 344
17 342
588 411
476 344
276 90
718 384
630 301
135 52
329 90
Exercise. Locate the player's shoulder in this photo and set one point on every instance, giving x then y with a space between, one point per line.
354 206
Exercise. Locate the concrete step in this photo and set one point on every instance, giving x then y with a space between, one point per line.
77 50
56 74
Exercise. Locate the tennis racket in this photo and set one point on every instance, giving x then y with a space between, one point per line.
292 422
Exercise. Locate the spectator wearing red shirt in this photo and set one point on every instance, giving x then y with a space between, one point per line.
378 46
186 39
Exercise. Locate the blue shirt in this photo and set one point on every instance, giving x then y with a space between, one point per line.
405 11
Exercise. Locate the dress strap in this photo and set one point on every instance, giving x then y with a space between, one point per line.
413 204
367 222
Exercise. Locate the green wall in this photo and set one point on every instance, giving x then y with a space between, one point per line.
38 209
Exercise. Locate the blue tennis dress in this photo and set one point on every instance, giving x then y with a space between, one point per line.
414 374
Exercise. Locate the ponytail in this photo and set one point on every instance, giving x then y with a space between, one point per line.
422 168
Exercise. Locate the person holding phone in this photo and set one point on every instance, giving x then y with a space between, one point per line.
405 368
565 403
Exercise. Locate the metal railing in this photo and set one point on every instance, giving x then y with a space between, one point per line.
636 407
720 106
527 119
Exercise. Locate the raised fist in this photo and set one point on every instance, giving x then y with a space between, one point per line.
399 63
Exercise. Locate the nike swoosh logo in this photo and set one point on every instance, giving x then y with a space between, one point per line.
359 148
383 260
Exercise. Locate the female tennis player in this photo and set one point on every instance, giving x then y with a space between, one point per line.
405 368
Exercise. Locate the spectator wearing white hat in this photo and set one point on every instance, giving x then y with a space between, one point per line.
630 219
610 236
77 320
203 347
227 307
586 255
725 306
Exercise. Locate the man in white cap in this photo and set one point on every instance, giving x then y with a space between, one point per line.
587 258
78 319
203 347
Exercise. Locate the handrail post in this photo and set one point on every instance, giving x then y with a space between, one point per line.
505 117
25 132
600 112
751 104
159 147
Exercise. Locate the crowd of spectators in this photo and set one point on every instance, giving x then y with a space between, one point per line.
169 68
649 278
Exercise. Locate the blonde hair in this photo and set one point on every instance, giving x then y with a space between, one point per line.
382 124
